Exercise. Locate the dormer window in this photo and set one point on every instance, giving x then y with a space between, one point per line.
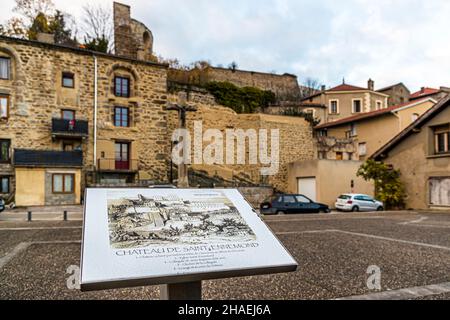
122 87
68 80
5 68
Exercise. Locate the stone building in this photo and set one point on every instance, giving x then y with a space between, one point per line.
132 39
398 94
60 104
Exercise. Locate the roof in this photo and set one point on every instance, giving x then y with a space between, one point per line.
432 112
372 114
41 158
80 51
391 86
424 92
346 87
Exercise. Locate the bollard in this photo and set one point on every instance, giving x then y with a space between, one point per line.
65 215
29 216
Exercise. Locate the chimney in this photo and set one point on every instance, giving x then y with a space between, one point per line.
323 88
371 85
45 37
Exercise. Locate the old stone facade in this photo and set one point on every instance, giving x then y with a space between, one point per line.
132 38
398 94
295 140
38 98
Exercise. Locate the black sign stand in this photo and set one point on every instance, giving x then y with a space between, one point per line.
182 291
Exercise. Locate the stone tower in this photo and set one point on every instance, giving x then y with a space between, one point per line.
132 39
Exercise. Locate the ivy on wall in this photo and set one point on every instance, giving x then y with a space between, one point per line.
241 100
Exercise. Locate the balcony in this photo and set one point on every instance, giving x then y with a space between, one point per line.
78 129
51 159
113 165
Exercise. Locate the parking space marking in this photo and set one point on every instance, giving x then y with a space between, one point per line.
422 244
405 294
322 219
17 249
25 245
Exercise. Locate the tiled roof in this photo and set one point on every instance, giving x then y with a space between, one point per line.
424 92
40 158
346 87
367 115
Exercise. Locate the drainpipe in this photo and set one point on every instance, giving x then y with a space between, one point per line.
95 112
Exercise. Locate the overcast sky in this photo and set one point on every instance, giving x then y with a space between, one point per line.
389 41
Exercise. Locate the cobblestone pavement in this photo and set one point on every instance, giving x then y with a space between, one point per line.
334 252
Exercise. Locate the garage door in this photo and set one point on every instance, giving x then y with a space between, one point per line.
307 187
440 191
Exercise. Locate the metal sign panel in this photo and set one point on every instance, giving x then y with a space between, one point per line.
136 237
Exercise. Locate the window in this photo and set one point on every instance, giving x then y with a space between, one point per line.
352 132
122 87
68 114
414 117
63 183
4 107
334 106
5 68
379 105
303 199
357 106
362 149
339 156
289 199
4 151
4 184
121 117
442 139
68 80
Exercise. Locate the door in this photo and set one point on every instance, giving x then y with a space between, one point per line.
307 187
440 191
289 204
122 159
305 205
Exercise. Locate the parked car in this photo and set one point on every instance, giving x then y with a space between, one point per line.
2 205
358 202
290 204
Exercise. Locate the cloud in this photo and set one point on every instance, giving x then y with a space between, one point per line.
387 40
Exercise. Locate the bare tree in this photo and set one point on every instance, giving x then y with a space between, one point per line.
97 25
310 86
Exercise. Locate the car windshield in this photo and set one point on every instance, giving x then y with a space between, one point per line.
344 197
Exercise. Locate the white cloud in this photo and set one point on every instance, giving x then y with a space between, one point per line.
387 40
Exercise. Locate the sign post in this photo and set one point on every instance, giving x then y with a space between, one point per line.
175 238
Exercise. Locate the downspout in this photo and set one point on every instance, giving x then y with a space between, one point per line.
95 115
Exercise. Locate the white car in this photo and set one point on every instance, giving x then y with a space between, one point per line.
358 202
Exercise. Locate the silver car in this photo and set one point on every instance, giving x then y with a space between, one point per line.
358 202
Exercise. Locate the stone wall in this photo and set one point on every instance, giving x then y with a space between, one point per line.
284 86
36 96
296 141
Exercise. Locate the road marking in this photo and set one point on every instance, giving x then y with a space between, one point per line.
38 228
25 245
421 219
17 249
405 294
433 246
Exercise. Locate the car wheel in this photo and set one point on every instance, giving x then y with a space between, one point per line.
355 209
281 213
380 209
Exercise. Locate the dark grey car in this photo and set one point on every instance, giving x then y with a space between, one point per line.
292 204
